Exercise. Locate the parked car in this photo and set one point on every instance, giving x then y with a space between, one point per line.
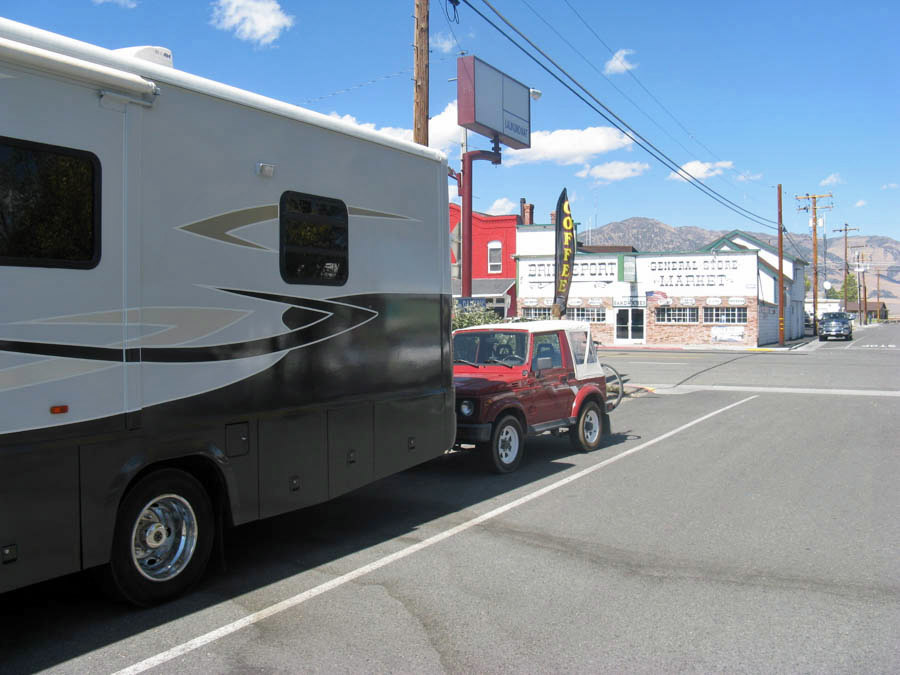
515 380
835 324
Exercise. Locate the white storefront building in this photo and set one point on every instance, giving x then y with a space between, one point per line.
725 293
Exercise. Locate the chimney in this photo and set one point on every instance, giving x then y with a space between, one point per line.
553 217
529 215
522 211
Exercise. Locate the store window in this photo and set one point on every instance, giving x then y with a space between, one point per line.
677 314
314 239
724 315
593 314
49 206
536 313
495 257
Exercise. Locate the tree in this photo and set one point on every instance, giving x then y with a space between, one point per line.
852 289
472 315
807 283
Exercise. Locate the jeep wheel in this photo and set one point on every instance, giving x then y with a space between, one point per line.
592 426
507 445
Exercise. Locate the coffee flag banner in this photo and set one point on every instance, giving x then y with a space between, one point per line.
565 254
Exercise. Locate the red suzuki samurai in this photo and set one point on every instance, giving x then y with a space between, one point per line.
514 379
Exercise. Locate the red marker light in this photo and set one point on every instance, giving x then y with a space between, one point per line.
59 409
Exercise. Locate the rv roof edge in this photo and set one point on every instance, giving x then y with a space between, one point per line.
60 44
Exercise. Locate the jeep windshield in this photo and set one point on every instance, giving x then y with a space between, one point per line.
477 348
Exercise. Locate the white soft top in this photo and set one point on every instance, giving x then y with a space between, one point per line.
36 48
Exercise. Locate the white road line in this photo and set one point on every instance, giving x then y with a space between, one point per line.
277 608
687 388
659 363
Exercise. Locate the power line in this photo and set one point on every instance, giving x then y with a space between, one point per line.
619 123
604 76
741 177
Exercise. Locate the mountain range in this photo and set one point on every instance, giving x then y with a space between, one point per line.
880 254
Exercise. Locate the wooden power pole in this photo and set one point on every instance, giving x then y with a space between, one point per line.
420 101
815 242
780 273
845 229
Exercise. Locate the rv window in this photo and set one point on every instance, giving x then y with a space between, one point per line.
49 206
314 239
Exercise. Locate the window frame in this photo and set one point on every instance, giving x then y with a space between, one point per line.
678 311
718 310
543 312
96 195
282 249
497 245
584 314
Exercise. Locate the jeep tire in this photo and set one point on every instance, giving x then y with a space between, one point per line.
591 428
504 454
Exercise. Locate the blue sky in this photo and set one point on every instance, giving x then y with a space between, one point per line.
742 95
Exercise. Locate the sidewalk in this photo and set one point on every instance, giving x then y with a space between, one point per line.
722 346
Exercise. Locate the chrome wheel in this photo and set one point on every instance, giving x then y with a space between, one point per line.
164 537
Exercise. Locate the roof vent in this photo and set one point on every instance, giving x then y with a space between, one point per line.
158 55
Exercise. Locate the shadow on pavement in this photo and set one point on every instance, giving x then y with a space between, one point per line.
47 624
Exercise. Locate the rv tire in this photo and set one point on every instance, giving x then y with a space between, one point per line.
163 538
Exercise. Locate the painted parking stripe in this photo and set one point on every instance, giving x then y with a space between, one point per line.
277 608
688 388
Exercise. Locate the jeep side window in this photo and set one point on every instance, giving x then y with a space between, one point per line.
547 345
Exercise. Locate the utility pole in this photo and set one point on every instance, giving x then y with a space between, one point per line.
845 229
815 238
780 273
420 99
865 291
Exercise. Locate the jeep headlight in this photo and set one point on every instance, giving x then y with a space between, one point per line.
466 408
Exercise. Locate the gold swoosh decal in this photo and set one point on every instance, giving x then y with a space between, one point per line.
218 227
356 211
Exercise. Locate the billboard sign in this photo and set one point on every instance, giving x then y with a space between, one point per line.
492 103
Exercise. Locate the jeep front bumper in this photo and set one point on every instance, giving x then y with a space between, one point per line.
473 433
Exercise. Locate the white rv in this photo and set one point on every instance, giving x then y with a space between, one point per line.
215 307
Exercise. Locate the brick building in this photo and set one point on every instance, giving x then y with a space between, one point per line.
725 293
493 258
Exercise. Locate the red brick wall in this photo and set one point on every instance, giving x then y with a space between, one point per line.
696 333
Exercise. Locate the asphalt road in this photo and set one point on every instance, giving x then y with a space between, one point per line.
744 517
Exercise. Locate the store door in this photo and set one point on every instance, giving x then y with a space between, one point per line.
630 325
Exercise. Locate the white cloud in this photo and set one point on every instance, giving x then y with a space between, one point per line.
443 132
832 179
568 146
452 192
613 171
257 21
393 132
861 202
127 4
502 207
747 176
700 170
619 63
443 43
889 186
